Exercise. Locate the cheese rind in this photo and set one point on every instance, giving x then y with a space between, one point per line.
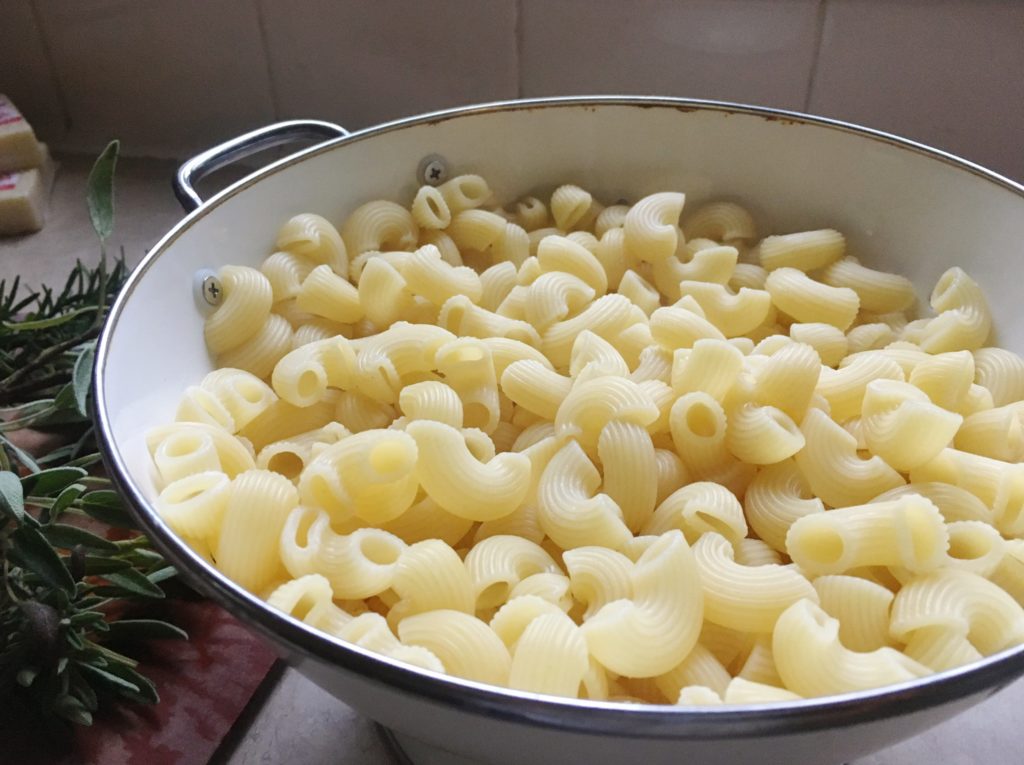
19 149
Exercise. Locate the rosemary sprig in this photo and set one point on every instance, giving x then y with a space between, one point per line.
62 585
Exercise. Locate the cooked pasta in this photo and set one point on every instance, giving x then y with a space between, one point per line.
584 451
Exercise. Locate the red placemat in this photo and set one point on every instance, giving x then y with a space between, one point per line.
204 685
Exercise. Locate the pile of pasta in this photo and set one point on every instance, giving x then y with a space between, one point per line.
607 452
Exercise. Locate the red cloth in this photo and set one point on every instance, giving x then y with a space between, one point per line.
204 685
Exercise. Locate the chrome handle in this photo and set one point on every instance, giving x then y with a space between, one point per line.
243 146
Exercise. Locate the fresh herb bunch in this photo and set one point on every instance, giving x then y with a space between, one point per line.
63 586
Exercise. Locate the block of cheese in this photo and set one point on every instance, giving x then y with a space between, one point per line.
23 197
19 148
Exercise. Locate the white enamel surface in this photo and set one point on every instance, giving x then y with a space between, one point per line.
901 209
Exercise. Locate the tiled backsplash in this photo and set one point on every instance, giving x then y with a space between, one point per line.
170 78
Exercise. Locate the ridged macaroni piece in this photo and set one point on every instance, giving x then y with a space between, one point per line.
531 213
996 433
465 192
630 470
598 576
246 299
476 229
698 425
711 366
678 326
902 426
554 296
425 519
289 457
759 668
830 342
879 292
247 545
869 337
592 404
654 364
378 226
429 209
1002 372
734 314
954 503
755 552
725 222
699 668
461 316
466 646
432 400
965 604
611 253
511 620
698 696
947 379
672 473
940 648
358 565
714 264
1009 574
698 508
655 630
778 496
286 271
611 217
743 691
569 204
325 294
551 656
834 470
430 576
563 255
303 375
241 395
862 608
639 291
536 388
569 510
1000 485
384 293
372 475
812 660
262 351
806 300
496 283
762 435
593 356
314 237
554 588
359 413
462 484
908 531
975 546
193 504
651 227
186 447
428 275
467 367
449 252
748 275
788 379
964 320
309 599
606 317
498 563
284 420
745 598
521 522
806 251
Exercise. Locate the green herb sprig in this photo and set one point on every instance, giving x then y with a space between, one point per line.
62 586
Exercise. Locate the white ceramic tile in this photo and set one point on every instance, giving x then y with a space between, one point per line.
359 63
945 72
25 74
168 78
751 51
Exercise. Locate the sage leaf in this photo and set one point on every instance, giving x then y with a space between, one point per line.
30 550
22 456
66 498
106 506
108 679
63 535
134 582
51 481
100 191
145 692
145 629
162 574
12 499
81 378
101 565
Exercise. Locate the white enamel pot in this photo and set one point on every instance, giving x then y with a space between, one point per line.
903 207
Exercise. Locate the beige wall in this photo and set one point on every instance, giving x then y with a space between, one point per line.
173 76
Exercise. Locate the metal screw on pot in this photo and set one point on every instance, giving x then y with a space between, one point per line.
433 170
209 288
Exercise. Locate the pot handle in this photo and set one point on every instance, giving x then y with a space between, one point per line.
243 146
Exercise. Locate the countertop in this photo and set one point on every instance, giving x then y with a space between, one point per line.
290 719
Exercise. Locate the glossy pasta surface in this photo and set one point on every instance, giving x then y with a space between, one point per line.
629 451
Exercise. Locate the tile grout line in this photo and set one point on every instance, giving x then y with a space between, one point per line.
517 32
819 38
51 65
264 43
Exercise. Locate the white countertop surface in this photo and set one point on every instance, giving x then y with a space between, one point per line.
291 720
